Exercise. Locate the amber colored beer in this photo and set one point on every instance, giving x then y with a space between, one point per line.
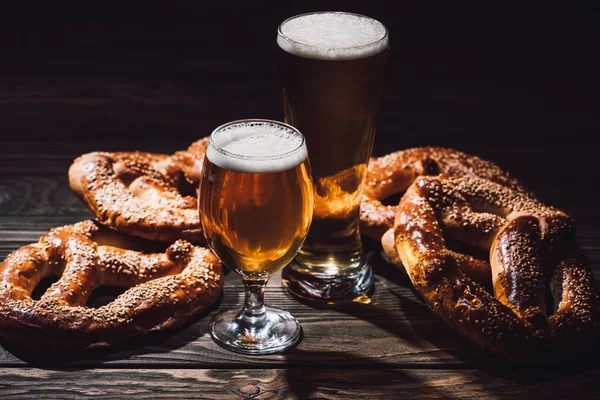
255 211
333 95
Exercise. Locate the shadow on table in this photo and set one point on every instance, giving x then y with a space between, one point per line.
390 381
155 342
463 354
357 380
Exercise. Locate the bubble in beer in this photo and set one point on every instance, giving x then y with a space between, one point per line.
332 36
256 147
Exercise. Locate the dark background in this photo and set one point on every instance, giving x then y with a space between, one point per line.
477 76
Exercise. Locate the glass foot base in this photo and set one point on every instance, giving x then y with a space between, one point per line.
314 285
230 330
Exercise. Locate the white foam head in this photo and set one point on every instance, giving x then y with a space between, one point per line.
256 146
332 36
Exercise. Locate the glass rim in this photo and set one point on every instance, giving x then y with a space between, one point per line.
227 153
364 46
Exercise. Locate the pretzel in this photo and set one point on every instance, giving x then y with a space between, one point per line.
395 172
152 195
529 244
165 289
143 194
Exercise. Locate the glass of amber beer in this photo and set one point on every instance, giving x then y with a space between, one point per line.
331 67
256 204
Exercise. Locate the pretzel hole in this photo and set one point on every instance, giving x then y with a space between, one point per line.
43 286
489 209
188 189
467 249
104 295
549 299
126 242
392 200
148 187
127 179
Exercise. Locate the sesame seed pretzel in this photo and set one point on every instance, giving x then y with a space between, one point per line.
143 194
394 173
529 245
165 289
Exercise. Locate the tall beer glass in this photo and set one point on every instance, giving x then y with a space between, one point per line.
331 67
255 203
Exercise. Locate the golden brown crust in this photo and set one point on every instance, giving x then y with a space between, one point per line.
517 270
527 241
395 172
165 289
143 194
573 324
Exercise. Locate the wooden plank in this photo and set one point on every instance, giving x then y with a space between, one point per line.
372 383
438 111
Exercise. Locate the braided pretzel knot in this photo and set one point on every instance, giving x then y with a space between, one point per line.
143 194
395 172
166 289
528 243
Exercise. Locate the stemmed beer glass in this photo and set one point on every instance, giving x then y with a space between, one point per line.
256 206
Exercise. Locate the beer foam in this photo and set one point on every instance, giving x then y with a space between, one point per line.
332 36
256 147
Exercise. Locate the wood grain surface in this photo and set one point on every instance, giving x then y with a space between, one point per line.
292 383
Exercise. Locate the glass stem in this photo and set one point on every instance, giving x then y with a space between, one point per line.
254 314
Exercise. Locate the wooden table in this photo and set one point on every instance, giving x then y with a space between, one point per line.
527 103
393 347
